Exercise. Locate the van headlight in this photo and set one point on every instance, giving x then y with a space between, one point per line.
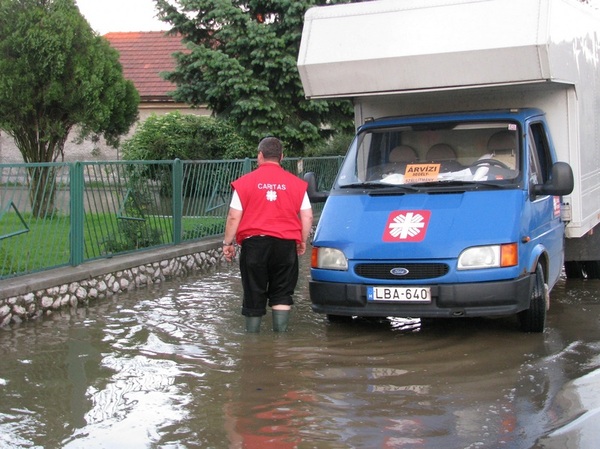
328 259
492 256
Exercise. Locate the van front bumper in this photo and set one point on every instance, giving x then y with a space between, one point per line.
448 300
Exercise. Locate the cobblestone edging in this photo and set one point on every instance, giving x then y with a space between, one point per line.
28 304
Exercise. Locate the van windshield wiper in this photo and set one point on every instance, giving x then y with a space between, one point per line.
364 185
447 183
457 183
382 188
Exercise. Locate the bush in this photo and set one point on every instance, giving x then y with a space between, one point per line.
135 231
187 137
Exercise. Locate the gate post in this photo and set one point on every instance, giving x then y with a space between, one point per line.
77 213
177 200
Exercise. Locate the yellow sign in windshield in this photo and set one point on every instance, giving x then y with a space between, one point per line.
421 173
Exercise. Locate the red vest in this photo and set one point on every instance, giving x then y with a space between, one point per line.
271 198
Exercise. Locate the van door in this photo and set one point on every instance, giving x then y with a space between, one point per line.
547 228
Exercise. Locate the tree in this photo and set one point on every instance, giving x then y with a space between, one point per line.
242 64
56 73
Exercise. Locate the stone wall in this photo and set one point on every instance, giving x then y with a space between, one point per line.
33 296
88 150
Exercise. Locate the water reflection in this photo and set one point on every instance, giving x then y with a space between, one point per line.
171 367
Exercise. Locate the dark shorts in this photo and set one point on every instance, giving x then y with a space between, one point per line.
269 270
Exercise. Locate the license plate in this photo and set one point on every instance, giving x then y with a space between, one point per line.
400 294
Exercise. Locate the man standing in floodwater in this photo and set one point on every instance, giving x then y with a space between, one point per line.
270 217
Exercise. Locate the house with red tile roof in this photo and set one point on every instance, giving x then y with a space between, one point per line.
144 56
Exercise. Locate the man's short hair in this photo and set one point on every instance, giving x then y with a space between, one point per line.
271 148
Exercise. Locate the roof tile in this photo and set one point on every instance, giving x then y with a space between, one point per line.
144 56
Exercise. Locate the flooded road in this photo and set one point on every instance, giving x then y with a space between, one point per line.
171 367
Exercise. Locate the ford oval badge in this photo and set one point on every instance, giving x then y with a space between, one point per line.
399 271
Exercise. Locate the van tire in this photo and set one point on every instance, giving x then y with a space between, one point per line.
534 318
574 270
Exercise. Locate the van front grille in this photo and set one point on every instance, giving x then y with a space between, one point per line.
411 270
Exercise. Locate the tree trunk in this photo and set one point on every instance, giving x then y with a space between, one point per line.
35 147
41 190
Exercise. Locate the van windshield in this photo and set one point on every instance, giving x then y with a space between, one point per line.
436 153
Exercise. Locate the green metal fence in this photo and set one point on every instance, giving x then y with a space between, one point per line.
60 214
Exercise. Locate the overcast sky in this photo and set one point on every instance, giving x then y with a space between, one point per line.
131 15
121 15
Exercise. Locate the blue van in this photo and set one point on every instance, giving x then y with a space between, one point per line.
443 215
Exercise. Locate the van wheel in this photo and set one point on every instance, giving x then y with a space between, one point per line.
592 269
574 270
534 318
339 318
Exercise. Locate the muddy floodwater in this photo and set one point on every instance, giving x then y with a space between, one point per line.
171 367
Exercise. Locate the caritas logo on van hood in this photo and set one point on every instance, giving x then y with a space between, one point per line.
406 226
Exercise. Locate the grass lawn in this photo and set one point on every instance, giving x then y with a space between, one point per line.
29 244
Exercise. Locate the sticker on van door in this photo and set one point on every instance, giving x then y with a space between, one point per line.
556 200
406 226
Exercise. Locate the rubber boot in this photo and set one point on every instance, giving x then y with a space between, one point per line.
253 324
280 320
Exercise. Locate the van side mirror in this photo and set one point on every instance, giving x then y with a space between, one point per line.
313 193
561 181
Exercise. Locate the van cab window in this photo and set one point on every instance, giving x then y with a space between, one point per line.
434 154
540 161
